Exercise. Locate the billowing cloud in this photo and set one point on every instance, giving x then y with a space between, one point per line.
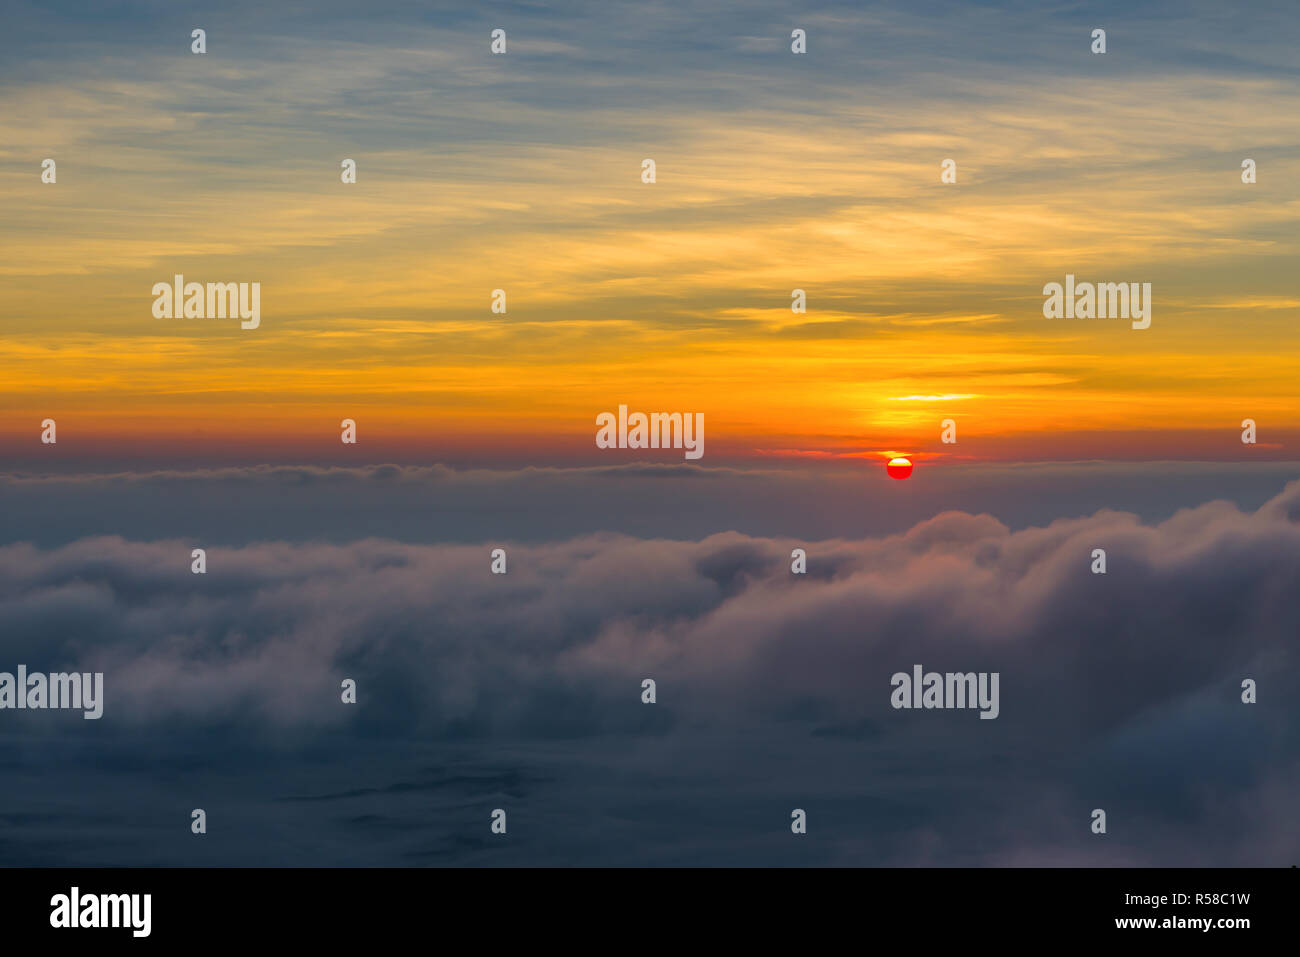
440 643
1119 690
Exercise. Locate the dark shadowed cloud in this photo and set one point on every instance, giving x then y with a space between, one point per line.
1119 691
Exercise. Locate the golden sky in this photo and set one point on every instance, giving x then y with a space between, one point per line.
522 173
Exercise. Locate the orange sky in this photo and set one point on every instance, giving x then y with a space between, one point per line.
924 299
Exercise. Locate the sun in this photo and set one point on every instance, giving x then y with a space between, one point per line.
899 467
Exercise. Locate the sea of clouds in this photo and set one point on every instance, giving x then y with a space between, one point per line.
522 690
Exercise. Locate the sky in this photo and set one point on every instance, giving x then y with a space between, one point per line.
521 172
476 431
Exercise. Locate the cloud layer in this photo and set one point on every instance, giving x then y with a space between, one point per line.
1118 691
